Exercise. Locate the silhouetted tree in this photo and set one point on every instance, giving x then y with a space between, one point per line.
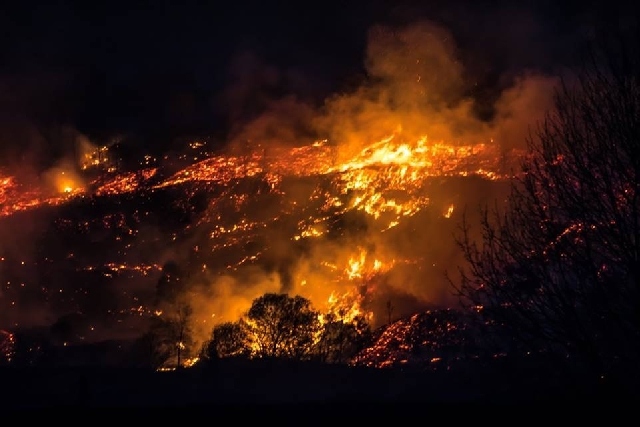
228 340
560 266
171 327
172 332
282 326
146 352
340 341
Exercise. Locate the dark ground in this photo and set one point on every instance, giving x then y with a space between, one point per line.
287 390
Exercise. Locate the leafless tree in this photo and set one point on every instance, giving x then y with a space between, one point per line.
559 265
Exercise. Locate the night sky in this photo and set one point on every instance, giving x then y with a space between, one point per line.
158 70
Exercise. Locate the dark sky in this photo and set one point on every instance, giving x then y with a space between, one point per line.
161 68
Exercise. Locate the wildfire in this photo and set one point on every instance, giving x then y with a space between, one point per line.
67 183
346 307
95 157
360 267
370 177
356 266
361 272
125 183
385 182
16 196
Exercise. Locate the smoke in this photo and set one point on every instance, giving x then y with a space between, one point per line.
38 173
522 107
218 299
416 86
62 178
15 135
33 104
285 122
263 105
26 149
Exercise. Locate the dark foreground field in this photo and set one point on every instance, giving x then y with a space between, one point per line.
236 384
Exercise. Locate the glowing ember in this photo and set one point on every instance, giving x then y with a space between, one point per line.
7 347
431 340
16 196
370 176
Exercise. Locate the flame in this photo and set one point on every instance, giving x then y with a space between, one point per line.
356 265
94 157
347 307
125 183
369 177
67 183
191 362
449 211
361 271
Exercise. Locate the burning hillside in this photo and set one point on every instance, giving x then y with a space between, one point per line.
353 222
288 213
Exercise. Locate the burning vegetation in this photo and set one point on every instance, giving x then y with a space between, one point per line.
314 244
301 196
349 221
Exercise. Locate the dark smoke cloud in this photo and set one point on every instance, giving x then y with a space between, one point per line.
265 104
